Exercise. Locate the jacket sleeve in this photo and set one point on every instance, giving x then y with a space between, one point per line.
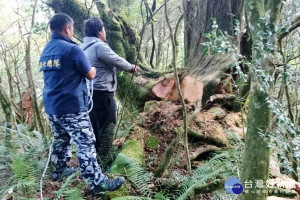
109 57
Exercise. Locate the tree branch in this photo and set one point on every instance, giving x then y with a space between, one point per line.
295 25
203 149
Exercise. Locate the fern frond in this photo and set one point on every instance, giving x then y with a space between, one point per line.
131 198
223 195
221 166
136 174
66 191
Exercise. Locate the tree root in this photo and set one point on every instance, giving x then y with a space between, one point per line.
203 149
216 141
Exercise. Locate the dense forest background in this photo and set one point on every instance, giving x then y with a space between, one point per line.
235 114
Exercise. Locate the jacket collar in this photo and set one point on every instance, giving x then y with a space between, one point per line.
59 36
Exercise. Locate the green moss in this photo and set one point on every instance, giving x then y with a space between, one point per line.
148 105
123 191
150 84
76 10
218 112
131 52
136 95
257 149
134 149
115 41
152 142
114 24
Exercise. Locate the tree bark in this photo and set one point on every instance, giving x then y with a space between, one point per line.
257 151
198 15
159 45
30 78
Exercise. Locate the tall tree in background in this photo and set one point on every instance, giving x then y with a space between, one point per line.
198 16
262 16
31 85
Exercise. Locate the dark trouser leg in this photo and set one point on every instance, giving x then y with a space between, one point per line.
62 151
103 118
79 128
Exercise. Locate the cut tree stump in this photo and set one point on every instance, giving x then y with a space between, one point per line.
192 90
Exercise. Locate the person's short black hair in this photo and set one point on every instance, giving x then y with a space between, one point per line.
59 21
93 26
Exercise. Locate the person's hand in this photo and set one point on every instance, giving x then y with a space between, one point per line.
135 69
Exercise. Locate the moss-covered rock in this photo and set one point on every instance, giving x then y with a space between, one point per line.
133 148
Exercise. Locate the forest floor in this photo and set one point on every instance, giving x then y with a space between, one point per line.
211 131
215 125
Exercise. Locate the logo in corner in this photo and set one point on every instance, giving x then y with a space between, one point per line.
233 185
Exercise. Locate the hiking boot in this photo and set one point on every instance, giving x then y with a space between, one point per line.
59 176
108 185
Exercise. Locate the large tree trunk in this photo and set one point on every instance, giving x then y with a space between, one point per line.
198 16
257 152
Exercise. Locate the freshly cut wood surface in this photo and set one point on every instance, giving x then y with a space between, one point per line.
192 89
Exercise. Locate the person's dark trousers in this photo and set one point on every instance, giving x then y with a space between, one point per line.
103 118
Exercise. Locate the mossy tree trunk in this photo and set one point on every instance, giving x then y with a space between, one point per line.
8 113
257 152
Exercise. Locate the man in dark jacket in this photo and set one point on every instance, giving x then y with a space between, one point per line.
66 102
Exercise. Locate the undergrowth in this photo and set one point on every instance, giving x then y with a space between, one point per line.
216 170
22 164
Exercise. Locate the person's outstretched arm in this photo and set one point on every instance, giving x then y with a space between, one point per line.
109 57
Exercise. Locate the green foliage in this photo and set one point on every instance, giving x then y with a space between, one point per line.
131 198
68 191
136 174
221 166
152 142
23 162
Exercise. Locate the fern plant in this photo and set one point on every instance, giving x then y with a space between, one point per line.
220 167
135 173
22 162
67 192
